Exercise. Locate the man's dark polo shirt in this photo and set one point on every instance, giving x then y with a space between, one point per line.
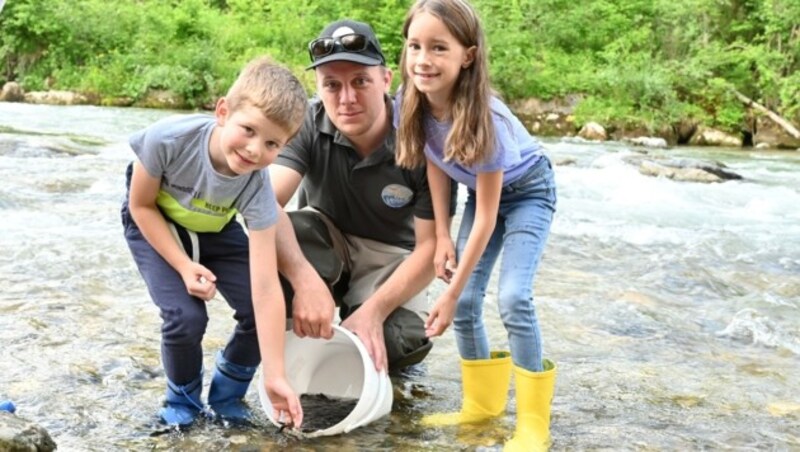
370 198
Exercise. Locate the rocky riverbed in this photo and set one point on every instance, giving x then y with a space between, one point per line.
543 118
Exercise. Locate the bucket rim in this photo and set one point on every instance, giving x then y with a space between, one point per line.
374 406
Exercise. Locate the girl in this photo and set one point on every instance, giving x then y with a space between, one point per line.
449 118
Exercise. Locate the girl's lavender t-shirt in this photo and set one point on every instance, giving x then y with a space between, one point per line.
515 149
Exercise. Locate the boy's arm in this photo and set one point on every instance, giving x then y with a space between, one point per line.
270 312
313 305
150 221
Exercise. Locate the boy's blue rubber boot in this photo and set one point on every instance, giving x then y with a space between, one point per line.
183 403
7 405
228 388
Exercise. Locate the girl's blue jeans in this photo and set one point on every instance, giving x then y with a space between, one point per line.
526 212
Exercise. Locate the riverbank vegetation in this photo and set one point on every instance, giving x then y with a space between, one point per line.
643 63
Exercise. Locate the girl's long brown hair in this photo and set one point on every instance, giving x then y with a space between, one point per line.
472 138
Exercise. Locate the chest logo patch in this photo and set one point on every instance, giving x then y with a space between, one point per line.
396 195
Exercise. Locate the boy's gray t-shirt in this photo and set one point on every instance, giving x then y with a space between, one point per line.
193 194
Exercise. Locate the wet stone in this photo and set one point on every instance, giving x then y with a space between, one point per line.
20 434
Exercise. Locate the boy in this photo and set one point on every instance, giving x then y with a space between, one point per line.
194 173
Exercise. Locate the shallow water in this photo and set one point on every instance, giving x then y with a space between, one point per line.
670 308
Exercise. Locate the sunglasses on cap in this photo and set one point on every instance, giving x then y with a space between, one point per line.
352 42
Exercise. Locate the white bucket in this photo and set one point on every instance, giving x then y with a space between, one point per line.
341 368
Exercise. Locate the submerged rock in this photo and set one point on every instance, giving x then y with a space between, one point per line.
688 170
648 142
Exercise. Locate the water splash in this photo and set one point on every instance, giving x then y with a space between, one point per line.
749 324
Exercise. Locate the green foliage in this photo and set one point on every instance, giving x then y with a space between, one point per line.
644 62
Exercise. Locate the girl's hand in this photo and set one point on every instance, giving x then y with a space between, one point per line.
444 260
199 281
286 408
441 315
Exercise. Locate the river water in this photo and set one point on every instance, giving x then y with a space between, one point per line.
671 308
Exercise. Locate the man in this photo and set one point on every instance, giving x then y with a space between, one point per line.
365 230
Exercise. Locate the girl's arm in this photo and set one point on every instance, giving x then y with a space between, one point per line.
270 311
199 281
489 186
444 259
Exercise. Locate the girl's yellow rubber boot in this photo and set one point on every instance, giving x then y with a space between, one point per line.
484 383
534 396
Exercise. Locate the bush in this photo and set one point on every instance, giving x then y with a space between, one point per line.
651 62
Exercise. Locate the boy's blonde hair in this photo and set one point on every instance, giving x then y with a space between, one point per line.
271 88
472 138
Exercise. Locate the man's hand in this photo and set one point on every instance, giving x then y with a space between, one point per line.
313 308
369 328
